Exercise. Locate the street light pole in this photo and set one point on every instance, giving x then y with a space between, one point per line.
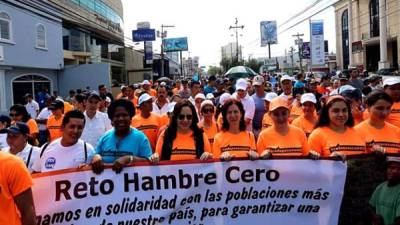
236 27
299 44
162 46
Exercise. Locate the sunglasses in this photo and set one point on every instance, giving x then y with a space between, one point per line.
182 117
209 110
14 114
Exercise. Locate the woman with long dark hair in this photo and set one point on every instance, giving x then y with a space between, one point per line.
234 140
183 139
334 134
18 113
378 134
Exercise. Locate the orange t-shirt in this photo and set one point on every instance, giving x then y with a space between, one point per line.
68 107
394 116
211 131
305 125
295 112
183 147
278 145
164 120
387 137
267 121
33 127
326 141
149 126
54 127
14 180
236 144
153 92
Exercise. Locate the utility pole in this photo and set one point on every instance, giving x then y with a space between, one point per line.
291 57
236 27
163 35
299 43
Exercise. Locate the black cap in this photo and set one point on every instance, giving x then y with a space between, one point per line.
212 77
5 119
344 75
18 128
220 81
57 104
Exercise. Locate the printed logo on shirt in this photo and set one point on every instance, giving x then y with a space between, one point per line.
183 151
50 163
235 148
395 111
384 144
147 127
285 150
350 148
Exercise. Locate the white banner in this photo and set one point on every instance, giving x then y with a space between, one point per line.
317 43
301 192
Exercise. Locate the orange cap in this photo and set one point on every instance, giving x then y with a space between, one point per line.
335 97
277 103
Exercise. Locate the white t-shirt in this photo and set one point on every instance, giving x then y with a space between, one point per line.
3 141
95 127
24 155
158 111
43 115
32 108
58 157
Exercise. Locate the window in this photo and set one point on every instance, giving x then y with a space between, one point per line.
345 38
5 27
374 18
41 36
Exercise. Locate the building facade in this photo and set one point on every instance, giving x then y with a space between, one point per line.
31 50
367 33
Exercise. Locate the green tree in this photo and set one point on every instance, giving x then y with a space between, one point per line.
254 65
214 70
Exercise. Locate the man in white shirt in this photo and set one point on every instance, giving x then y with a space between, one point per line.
41 120
247 101
96 123
31 106
17 139
160 105
66 152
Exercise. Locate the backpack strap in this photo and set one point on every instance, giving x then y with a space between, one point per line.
43 149
29 157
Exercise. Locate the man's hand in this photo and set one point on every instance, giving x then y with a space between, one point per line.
121 162
97 164
266 154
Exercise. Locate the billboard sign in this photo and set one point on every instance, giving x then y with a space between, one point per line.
175 44
269 33
305 50
317 43
144 35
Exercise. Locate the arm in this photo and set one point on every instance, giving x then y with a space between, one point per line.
376 218
24 202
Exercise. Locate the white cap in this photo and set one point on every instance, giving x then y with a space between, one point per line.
308 97
200 95
286 77
345 88
270 96
241 84
143 98
210 96
224 97
170 107
123 86
391 81
108 99
258 80
163 84
60 99
146 82
206 102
